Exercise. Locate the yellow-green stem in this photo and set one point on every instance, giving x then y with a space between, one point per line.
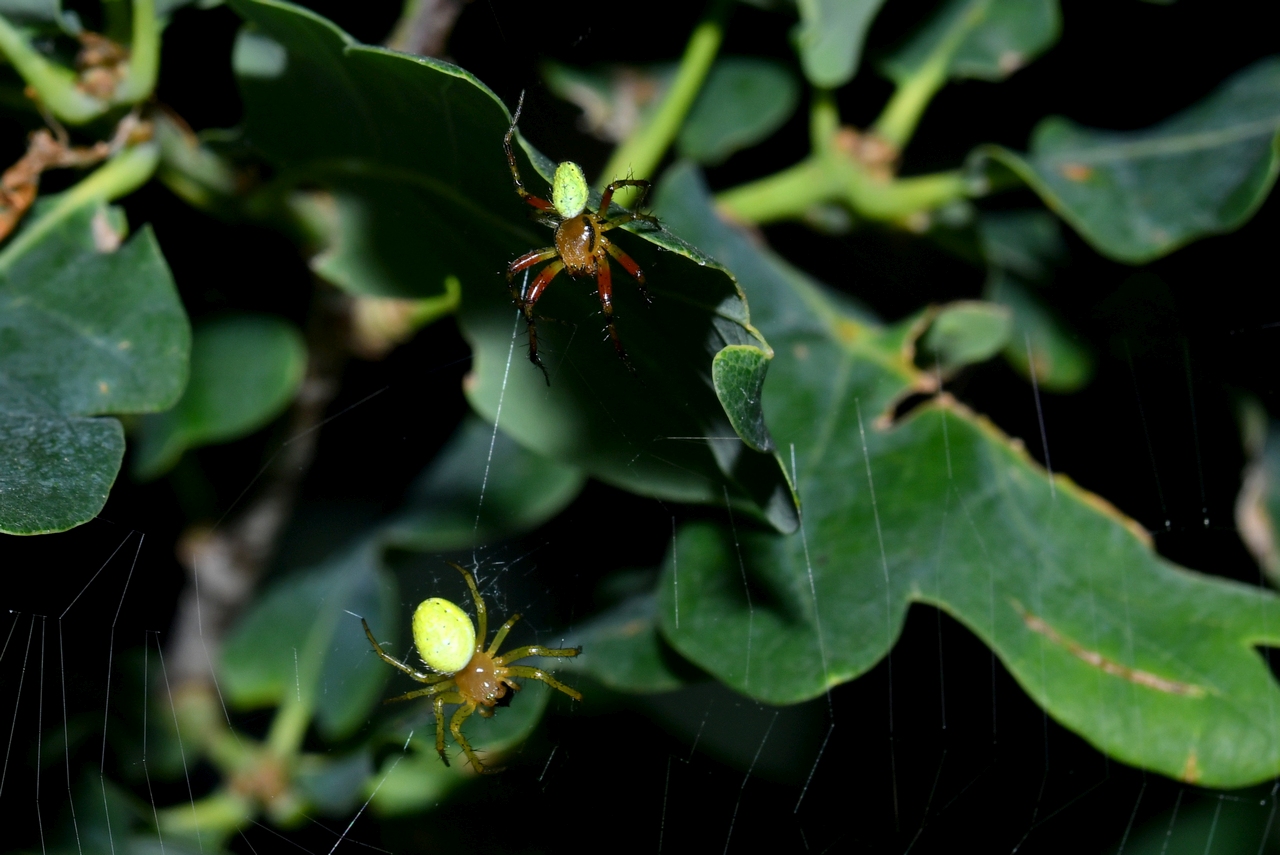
144 55
54 85
641 153
119 176
898 120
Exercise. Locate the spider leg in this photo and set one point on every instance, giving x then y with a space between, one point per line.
604 288
531 673
535 201
526 305
528 260
396 663
422 693
455 727
501 634
517 653
437 706
482 614
607 197
629 264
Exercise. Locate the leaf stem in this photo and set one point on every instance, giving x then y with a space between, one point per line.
641 153
144 55
897 122
55 86
119 176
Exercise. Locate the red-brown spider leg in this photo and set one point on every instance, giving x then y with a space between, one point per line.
540 204
535 292
629 264
530 673
604 289
529 259
607 197
396 663
422 693
437 706
455 727
501 634
482 614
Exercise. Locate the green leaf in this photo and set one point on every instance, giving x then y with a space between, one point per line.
299 644
1026 243
964 333
335 785
995 38
83 333
419 142
830 36
245 369
1138 195
621 649
1038 337
1150 662
522 490
742 102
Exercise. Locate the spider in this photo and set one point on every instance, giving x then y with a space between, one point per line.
581 248
462 671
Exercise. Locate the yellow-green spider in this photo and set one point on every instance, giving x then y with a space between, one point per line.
462 671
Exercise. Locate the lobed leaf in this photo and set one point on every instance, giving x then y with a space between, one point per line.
1138 195
245 369
419 143
1152 663
83 333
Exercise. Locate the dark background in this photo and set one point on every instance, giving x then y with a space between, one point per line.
936 745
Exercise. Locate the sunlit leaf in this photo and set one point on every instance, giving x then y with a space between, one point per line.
1138 195
419 143
1150 662
245 369
83 333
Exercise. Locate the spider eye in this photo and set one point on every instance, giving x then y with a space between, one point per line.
569 190
444 635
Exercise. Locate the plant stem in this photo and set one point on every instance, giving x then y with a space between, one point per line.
641 153
898 120
836 177
54 85
119 176
144 55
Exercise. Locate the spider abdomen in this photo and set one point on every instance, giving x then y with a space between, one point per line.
443 634
480 681
578 242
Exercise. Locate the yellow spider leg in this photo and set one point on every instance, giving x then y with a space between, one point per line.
437 706
517 653
501 634
482 625
531 673
455 727
422 693
396 663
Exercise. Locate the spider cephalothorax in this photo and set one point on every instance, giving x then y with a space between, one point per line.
581 247
462 671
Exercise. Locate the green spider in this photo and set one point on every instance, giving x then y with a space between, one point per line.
461 670
581 248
